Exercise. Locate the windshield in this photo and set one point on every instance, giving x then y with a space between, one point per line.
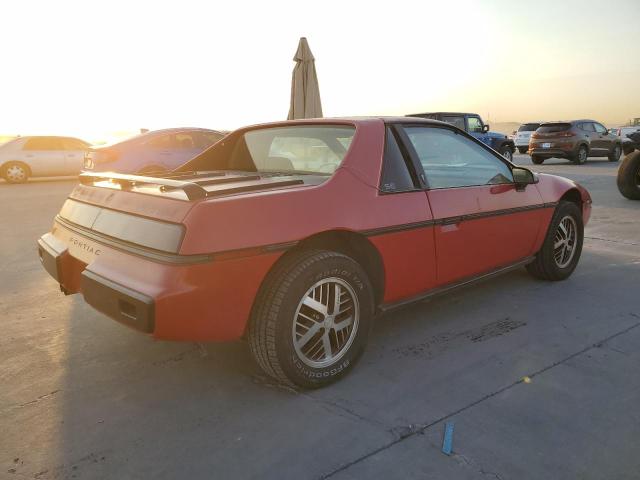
317 149
528 127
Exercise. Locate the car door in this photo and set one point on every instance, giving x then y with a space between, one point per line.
603 138
44 155
74 152
483 222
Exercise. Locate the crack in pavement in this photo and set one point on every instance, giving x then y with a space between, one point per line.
423 428
612 241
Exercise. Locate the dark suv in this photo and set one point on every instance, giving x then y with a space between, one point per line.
575 140
473 124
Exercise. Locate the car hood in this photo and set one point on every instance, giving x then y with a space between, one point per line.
496 135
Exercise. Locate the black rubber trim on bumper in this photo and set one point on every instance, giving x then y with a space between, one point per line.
51 259
118 302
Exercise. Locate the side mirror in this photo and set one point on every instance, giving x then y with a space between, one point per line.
485 128
523 177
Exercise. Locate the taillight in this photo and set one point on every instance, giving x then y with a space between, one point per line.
535 135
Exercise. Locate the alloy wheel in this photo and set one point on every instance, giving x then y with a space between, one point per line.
564 242
582 155
326 322
15 173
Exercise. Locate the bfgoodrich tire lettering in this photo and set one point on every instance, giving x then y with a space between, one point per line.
272 329
554 261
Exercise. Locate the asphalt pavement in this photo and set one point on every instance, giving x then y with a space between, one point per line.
540 380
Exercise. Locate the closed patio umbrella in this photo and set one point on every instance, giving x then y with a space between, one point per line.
305 93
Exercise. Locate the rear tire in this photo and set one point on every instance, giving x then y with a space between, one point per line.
295 334
629 176
537 160
580 157
15 172
560 252
614 155
522 149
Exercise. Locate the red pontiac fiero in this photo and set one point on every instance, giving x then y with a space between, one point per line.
296 234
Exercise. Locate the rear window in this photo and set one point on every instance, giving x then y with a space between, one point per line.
312 149
43 143
457 121
554 127
528 127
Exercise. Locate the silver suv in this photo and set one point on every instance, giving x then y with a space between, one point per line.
25 157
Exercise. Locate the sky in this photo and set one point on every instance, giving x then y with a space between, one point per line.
98 69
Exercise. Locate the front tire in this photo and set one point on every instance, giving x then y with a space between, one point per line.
629 176
311 320
522 149
614 156
537 160
506 152
15 172
560 252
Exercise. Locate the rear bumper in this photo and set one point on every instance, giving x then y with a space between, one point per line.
209 301
551 152
123 304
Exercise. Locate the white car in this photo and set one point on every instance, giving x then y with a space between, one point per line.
522 136
25 157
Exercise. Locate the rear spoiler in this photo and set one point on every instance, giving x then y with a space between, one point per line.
193 191
193 188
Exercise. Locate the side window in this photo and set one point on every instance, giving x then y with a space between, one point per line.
73 144
475 125
451 160
455 120
205 140
587 127
163 142
184 141
599 128
43 143
395 174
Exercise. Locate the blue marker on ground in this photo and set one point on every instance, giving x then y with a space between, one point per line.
447 441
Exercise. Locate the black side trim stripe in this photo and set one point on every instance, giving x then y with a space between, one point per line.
455 220
398 228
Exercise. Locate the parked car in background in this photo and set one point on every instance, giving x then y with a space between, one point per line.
155 151
25 157
624 132
628 179
472 123
523 134
575 140
241 242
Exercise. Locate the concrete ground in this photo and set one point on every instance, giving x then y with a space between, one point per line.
83 397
